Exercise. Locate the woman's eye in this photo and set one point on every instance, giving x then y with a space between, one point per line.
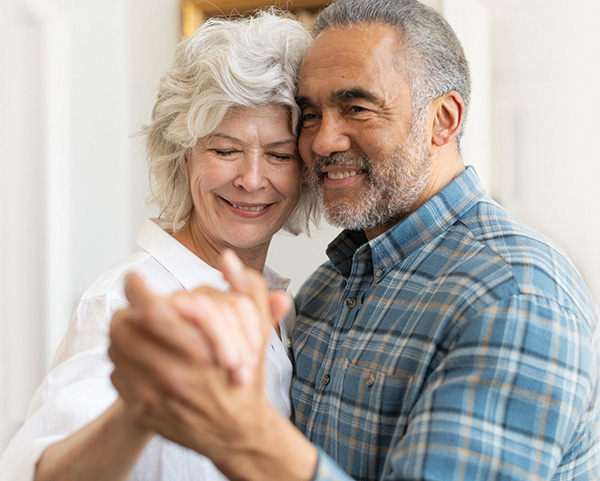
225 153
281 157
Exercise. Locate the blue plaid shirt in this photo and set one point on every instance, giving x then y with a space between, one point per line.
460 344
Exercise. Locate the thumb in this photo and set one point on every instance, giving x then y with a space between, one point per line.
139 295
280 303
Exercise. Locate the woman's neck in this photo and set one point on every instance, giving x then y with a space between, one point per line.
192 237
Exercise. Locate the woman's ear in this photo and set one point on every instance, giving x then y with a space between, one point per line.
449 114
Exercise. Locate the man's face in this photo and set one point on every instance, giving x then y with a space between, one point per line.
367 151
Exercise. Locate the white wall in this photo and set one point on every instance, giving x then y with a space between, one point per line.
78 78
546 100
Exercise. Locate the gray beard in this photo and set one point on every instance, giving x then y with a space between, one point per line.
392 187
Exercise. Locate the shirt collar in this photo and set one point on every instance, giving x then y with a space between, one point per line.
428 222
191 271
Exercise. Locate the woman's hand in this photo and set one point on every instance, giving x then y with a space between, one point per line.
175 372
188 356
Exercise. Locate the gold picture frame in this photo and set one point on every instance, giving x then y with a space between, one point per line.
194 12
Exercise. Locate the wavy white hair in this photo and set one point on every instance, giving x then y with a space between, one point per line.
247 61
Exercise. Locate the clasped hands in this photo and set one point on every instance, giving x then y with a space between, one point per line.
190 366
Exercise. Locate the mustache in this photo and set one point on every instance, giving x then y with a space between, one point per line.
342 158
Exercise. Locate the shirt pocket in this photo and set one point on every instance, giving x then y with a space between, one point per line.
372 416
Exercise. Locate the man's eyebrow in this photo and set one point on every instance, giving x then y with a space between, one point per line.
341 95
352 93
303 101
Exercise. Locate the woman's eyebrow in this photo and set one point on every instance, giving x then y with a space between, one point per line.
276 143
224 136
279 143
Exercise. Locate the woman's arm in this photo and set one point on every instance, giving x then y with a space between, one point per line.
105 449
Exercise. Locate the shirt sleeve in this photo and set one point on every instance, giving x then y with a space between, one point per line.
504 400
328 470
76 390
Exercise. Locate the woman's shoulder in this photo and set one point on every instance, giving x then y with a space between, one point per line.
111 283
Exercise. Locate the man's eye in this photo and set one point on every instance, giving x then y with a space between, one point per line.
307 118
356 109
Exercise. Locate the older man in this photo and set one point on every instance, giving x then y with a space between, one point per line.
443 339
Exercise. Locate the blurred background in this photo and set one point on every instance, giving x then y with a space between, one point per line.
78 78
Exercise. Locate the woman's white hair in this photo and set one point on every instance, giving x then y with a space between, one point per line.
248 61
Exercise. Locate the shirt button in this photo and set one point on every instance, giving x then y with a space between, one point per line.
378 272
351 302
371 380
325 379
288 343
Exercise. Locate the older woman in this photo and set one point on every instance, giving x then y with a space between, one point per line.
223 158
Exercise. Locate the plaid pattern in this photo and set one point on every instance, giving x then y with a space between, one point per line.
458 345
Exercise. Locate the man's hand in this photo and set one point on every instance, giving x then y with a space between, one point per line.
175 358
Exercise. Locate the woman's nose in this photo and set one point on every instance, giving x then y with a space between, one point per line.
252 173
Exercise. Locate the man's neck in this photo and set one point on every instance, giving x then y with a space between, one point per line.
443 172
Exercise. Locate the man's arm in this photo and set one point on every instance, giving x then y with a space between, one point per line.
501 385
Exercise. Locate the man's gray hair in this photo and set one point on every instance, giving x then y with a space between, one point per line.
250 62
430 55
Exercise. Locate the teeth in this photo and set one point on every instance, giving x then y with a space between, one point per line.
341 175
250 208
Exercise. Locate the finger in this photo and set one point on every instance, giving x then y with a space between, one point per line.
280 304
158 316
215 323
249 322
139 295
249 282
248 326
151 363
231 325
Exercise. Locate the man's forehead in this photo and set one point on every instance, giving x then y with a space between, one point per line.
348 61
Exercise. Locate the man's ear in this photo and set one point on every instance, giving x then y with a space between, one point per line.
449 113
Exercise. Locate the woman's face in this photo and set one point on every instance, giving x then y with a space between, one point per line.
245 180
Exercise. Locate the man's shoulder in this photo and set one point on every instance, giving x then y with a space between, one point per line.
491 243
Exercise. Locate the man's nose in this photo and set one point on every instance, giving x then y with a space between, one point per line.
330 136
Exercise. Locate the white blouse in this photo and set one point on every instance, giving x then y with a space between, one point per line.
78 389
